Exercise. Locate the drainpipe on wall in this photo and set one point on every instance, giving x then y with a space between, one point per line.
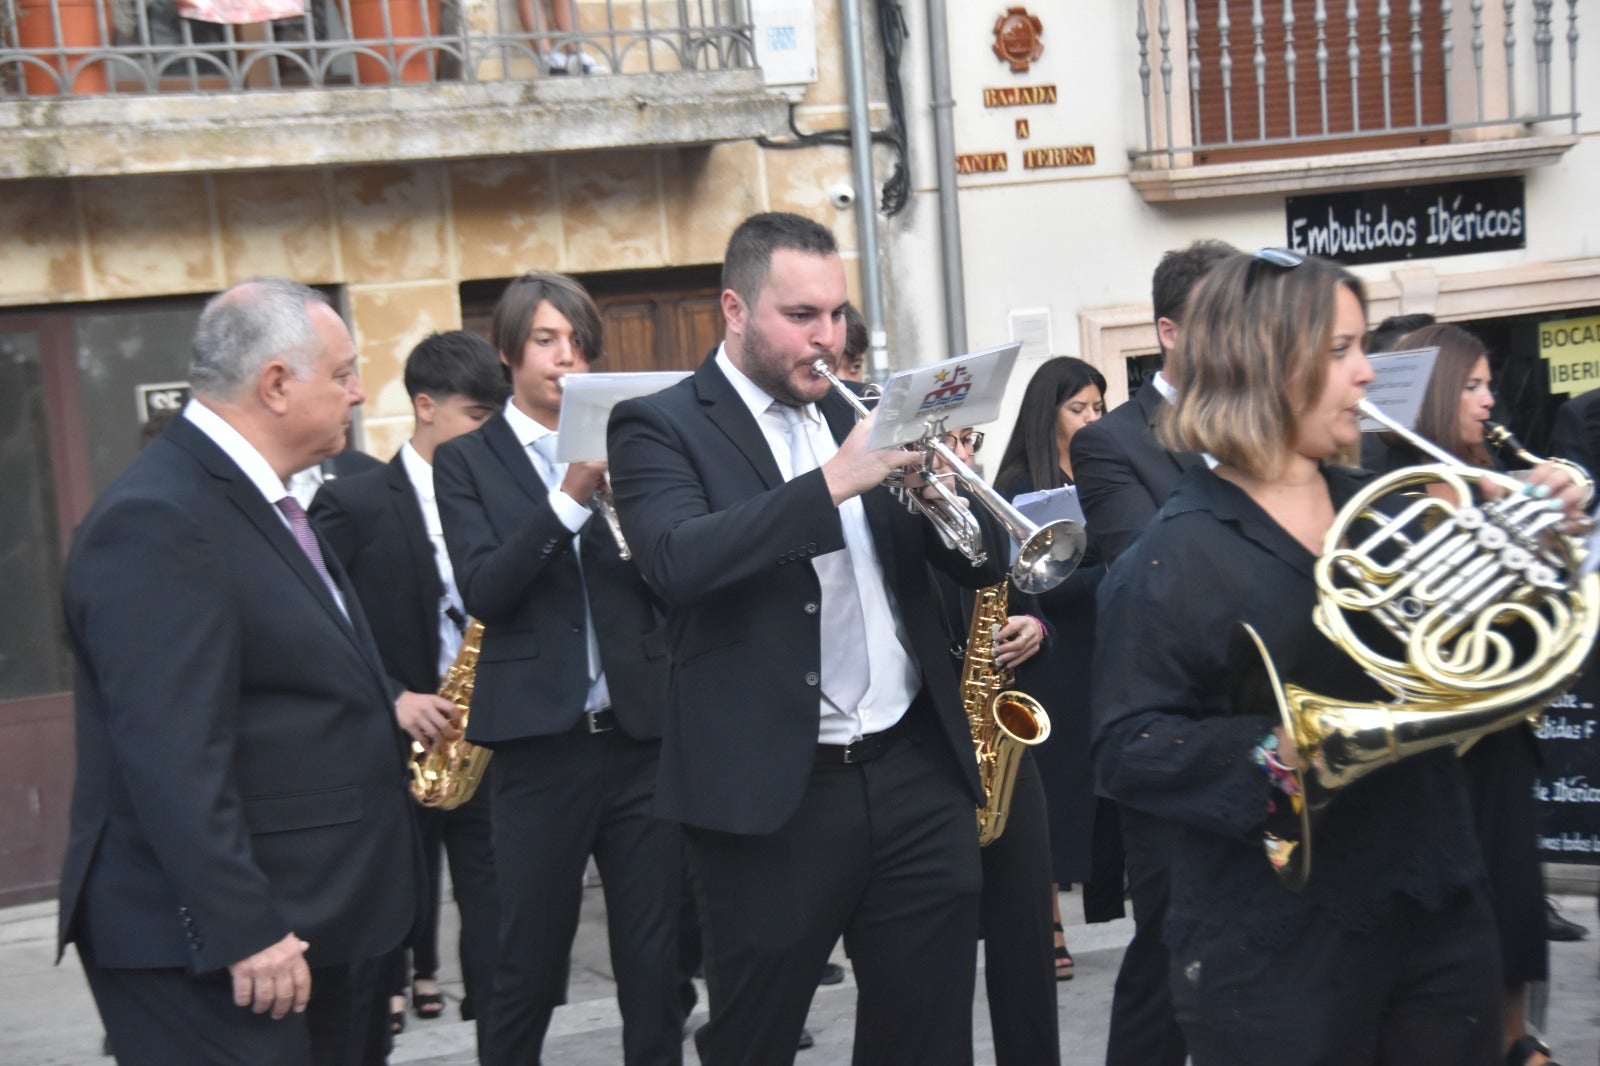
866 186
944 169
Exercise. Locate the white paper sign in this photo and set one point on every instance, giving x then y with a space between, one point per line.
961 392
586 403
1399 383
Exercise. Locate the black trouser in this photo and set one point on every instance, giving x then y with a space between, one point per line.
1019 970
1423 989
1144 1031
464 836
556 801
884 853
161 1017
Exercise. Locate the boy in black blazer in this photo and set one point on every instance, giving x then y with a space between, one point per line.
383 525
569 693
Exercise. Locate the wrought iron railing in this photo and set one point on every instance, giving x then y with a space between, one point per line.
1259 78
53 47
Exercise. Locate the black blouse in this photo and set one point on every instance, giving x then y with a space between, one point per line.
1166 741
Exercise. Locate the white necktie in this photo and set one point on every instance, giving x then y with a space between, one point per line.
845 670
554 473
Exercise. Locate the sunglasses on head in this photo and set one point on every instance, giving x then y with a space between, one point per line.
1282 258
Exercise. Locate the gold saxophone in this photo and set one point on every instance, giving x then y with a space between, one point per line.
446 775
1003 721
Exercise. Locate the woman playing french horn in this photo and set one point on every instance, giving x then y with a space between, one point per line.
1387 955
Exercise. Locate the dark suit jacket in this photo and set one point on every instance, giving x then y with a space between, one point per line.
724 540
373 522
517 574
1123 475
348 463
1576 434
239 771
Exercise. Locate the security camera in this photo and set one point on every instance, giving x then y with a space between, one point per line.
841 196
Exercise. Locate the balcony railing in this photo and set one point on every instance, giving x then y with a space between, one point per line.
1257 79
53 47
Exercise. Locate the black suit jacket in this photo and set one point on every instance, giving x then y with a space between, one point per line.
373 522
1123 475
1576 434
517 573
239 771
725 541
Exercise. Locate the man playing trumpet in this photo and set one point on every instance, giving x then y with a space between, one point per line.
814 751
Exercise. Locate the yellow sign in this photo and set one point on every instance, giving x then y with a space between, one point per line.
1570 348
1077 155
982 163
1019 95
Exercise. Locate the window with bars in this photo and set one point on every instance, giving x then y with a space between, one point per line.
1347 81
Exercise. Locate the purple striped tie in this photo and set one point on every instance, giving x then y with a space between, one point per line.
303 536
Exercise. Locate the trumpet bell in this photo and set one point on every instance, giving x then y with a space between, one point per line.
1049 555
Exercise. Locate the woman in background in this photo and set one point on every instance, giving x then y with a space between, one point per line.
1064 395
1500 767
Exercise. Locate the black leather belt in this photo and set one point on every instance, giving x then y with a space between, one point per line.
596 722
863 749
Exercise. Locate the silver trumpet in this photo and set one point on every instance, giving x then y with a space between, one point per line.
603 503
1046 555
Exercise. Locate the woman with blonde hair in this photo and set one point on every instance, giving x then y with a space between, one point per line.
1388 954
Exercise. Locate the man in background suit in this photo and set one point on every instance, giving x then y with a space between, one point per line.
815 750
569 691
384 527
242 851
1124 476
1576 434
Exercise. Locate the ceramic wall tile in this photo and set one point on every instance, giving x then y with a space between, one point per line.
41 258
276 222
150 235
390 222
387 322
706 192
610 205
506 217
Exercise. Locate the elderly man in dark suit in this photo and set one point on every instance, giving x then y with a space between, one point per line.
815 750
1124 476
242 852
384 527
570 690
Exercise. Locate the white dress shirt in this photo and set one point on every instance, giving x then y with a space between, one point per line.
895 677
541 453
420 473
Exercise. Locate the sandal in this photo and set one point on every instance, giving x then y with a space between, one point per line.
1064 964
427 1004
397 1015
1525 1047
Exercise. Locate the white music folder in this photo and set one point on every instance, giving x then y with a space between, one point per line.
586 403
961 392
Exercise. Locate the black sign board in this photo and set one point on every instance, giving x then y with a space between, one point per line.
1409 221
167 398
1567 787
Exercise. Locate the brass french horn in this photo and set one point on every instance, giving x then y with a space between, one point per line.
1485 613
